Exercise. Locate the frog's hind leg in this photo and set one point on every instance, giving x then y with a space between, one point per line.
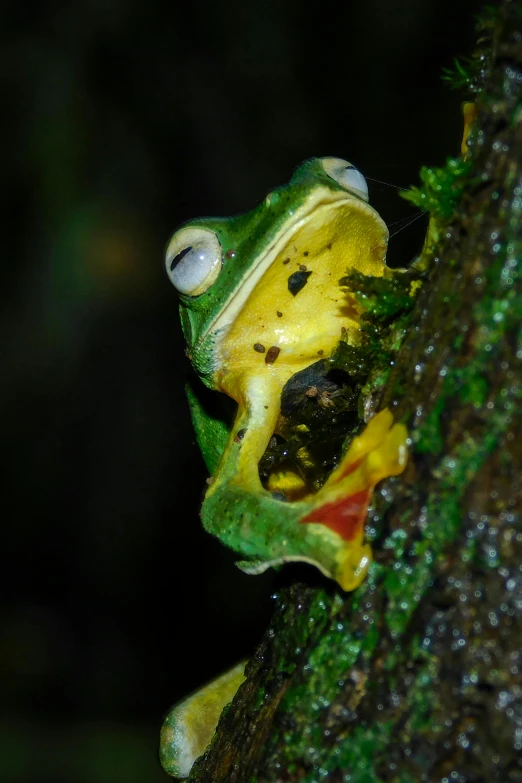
325 529
342 503
259 524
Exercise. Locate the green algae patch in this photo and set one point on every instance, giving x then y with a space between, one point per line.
363 759
356 757
430 440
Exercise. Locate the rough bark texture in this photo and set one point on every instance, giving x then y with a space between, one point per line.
417 676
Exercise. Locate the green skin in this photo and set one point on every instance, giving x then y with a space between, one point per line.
249 519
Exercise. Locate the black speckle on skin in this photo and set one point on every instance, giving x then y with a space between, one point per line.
286 261
306 252
279 314
302 267
230 254
240 435
272 354
297 281
259 347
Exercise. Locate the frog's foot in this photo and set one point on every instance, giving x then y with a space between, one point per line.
342 503
190 725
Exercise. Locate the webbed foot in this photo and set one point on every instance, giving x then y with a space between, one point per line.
190 725
342 503
325 529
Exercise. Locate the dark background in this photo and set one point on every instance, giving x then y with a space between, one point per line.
119 121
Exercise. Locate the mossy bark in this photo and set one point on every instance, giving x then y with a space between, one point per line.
417 676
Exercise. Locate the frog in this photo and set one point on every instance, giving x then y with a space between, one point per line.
259 301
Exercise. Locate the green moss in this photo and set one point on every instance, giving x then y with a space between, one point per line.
429 439
460 76
352 359
381 297
473 390
368 746
260 699
469 74
387 303
441 188
355 757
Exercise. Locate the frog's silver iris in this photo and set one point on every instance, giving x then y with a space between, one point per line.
346 175
193 260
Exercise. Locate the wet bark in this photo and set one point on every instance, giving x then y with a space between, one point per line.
417 676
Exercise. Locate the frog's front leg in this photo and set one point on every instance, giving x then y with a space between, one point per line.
325 529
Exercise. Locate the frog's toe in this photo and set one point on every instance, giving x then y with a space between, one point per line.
353 564
379 452
280 496
342 503
287 484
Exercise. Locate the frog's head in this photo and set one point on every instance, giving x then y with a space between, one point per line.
319 222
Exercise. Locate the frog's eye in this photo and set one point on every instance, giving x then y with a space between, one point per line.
346 175
193 260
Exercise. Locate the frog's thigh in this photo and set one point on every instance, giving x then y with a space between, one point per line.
190 725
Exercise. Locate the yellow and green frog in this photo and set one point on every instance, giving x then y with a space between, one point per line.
260 301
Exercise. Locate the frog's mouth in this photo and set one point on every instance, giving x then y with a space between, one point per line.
321 215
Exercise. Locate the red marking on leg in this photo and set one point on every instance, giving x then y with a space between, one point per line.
351 468
345 517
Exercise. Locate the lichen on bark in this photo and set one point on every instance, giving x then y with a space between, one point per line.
417 676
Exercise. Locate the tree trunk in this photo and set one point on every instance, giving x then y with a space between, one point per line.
417 676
